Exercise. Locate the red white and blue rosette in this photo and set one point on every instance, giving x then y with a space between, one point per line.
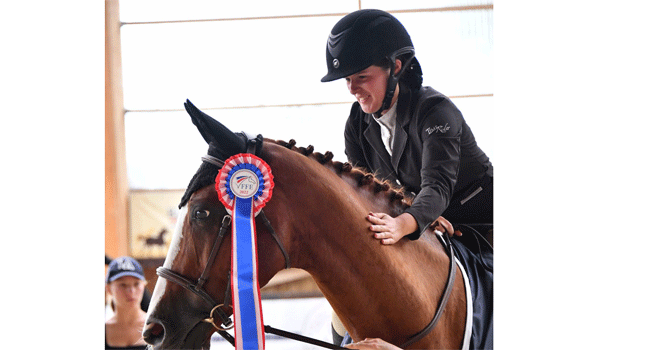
250 170
244 185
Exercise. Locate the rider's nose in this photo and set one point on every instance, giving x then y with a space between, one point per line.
153 333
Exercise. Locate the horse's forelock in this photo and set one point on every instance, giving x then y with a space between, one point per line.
204 176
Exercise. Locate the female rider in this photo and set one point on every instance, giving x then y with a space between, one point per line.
406 133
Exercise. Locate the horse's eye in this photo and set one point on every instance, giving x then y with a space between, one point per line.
202 214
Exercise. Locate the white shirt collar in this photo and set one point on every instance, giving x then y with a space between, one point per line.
387 123
389 118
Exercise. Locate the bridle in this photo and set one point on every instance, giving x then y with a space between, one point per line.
197 288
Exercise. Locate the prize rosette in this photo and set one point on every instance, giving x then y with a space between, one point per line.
245 175
244 185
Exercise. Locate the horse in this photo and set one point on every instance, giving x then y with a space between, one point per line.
318 211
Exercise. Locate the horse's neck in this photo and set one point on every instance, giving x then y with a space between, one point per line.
371 285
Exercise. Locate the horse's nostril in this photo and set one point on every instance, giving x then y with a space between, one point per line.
153 333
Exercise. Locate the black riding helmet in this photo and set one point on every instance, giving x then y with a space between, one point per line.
367 37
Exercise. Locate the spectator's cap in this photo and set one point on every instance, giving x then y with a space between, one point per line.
124 266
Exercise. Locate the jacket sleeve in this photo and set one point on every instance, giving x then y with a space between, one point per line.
439 129
353 149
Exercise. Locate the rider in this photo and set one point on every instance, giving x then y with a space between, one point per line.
406 133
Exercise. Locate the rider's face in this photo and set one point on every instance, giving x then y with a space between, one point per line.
369 85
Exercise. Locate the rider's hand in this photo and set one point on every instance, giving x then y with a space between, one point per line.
443 225
390 230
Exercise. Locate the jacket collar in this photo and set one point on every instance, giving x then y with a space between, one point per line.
403 108
372 131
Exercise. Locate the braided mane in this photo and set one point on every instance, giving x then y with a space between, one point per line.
206 174
362 178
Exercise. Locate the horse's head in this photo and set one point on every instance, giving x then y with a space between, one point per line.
318 210
192 300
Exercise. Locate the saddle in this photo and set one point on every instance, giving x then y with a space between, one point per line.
478 238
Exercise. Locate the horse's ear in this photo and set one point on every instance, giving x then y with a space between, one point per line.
227 142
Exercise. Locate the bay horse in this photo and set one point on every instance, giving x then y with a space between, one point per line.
319 211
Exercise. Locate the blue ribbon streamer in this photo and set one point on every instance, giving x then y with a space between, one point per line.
247 305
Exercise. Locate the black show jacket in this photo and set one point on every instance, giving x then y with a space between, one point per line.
435 156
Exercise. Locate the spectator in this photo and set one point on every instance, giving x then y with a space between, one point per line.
125 283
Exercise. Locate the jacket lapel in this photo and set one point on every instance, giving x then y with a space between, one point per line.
400 134
400 140
372 135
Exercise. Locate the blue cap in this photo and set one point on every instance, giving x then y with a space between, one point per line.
124 266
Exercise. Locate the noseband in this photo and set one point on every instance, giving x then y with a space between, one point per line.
197 288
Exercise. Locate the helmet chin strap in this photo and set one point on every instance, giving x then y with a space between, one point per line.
393 79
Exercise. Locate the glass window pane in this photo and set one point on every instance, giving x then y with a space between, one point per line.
176 10
455 49
164 148
220 64
276 62
479 115
392 5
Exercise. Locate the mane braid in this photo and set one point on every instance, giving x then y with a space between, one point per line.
362 177
206 174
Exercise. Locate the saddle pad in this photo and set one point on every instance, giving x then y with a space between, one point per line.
468 318
478 268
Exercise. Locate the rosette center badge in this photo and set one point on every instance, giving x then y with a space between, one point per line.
244 176
244 183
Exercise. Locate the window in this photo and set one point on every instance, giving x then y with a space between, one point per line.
256 67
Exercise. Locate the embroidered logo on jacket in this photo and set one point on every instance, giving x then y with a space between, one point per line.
438 128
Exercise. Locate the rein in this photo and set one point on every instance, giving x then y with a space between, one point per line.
445 294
